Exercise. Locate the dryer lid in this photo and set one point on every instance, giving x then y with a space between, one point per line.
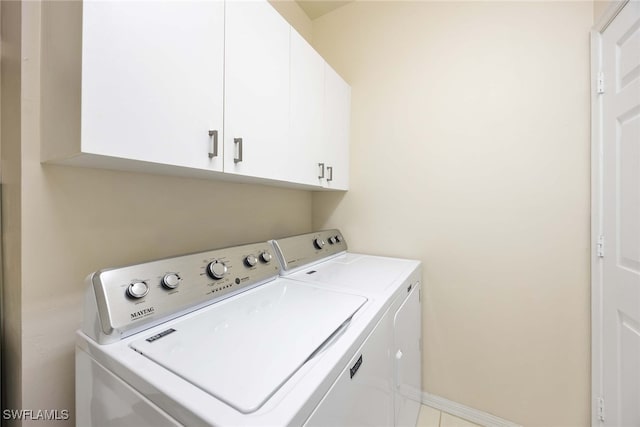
365 274
243 349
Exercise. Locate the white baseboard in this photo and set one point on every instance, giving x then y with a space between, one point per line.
465 412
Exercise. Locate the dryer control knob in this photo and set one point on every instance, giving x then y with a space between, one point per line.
266 256
338 239
171 280
332 240
318 243
137 290
216 269
250 260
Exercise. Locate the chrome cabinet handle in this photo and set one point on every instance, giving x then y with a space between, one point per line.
330 169
214 144
238 143
321 166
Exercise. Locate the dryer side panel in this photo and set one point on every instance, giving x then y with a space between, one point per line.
407 356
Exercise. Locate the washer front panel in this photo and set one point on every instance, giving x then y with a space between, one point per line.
243 349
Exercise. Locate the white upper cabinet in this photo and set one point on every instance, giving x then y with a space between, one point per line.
307 111
256 91
152 81
210 89
335 144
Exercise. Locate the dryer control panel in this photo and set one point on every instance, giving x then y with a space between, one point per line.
297 251
132 298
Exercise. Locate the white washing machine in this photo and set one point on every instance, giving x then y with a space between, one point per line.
218 338
392 286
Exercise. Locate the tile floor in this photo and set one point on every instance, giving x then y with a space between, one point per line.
430 417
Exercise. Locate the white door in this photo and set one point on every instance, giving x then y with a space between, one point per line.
256 90
337 112
152 81
621 219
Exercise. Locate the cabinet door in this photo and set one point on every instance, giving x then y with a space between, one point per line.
407 354
337 112
152 81
306 117
256 90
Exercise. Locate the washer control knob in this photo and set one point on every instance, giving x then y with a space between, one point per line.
338 239
318 243
137 290
332 240
171 280
266 257
251 260
216 269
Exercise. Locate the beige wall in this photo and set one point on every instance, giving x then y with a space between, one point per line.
599 6
75 221
10 174
470 151
296 17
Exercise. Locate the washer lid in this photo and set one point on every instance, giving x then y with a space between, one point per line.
243 349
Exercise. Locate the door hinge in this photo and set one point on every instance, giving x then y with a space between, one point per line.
600 402
600 246
600 83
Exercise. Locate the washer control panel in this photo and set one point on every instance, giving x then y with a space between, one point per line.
297 251
129 297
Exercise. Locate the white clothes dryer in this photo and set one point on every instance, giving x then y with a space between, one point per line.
393 286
